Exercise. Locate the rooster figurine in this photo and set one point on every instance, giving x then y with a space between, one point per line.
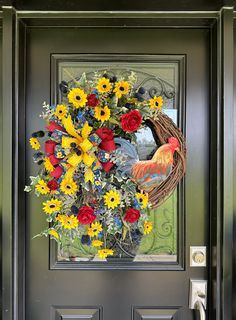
147 174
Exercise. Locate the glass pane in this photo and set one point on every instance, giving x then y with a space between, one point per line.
158 78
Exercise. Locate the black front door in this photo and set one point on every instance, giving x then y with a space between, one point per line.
152 288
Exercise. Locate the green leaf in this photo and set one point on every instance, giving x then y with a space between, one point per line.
27 189
83 80
113 102
34 180
114 121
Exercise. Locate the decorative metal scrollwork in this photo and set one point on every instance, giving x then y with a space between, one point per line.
153 84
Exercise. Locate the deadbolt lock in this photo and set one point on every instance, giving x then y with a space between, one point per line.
197 256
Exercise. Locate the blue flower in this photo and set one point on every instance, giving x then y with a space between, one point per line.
81 118
81 178
117 222
96 93
96 172
136 203
52 107
136 236
85 239
74 209
63 87
100 211
91 112
128 105
139 96
141 90
113 79
100 235
98 188
37 156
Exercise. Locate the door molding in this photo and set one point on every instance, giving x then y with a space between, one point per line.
220 24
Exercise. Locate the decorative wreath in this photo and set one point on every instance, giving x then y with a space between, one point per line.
95 187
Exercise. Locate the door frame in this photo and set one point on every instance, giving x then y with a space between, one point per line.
12 199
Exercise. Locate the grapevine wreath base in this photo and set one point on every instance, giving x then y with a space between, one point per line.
95 188
163 128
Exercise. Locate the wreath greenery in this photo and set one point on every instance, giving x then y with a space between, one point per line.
90 176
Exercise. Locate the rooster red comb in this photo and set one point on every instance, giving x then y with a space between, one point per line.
174 142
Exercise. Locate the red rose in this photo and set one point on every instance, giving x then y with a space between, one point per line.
131 121
131 215
92 100
52 184
86 215
107 143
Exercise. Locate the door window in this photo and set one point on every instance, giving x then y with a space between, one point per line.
163 75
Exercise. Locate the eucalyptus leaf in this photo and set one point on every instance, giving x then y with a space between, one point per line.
27 189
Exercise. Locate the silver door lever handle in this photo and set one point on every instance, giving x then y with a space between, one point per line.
199 306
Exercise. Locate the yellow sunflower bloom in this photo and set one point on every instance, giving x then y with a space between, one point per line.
34 143
97 243
121 88
42 187
147 227
48 165
53 233
51 206
103 253
102 113
68 186
95 229
77 97
142 199
68 222
156 103
103 85
61 111
112 199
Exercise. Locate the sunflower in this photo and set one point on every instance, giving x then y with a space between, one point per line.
48 165
77 97
121 88
42 187
97 243
103 253
95 229
103 85
156 103
51 206
102 113
34 143
142 199
147 227
53 233
61 111
68 222
112 199
68 186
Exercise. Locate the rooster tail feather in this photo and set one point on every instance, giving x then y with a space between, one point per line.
128 152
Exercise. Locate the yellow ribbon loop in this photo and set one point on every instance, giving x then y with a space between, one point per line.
69 126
